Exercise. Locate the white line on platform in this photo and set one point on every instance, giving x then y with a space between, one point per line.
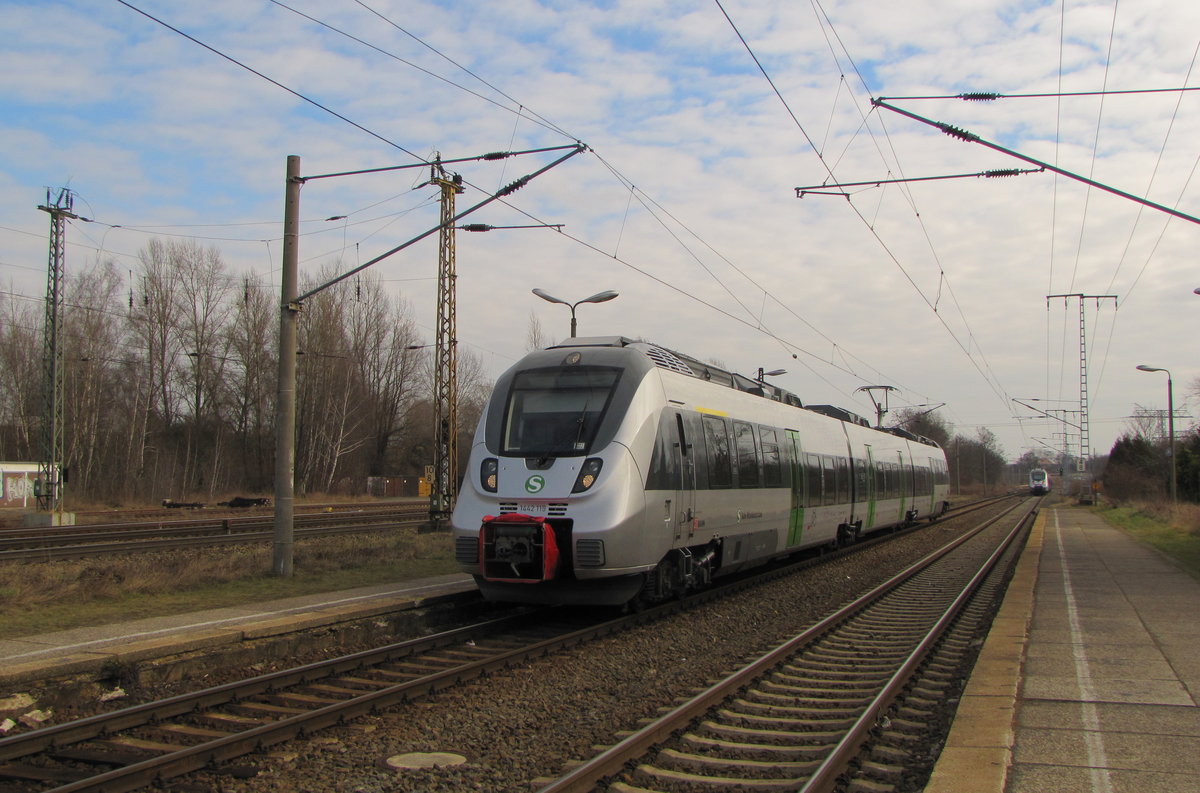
1093 738
211 623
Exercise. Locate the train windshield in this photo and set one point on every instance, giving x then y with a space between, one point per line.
556 412
1037 476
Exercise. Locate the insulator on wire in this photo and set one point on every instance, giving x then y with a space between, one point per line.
955 132
979 96
515 186
497 155
476 227
1002 172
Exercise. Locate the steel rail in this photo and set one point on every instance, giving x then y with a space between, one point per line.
194 758
102 545
585 776
193 525
228 747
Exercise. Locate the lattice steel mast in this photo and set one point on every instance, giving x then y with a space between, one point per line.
445 374
49 488
1085 448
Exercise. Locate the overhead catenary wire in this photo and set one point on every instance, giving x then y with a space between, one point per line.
987 376
518 104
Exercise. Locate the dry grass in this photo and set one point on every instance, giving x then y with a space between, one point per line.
1173 529
1183 517
42 596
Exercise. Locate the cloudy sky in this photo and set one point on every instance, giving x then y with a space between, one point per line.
685 201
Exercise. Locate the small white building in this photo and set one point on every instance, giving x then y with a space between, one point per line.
16 485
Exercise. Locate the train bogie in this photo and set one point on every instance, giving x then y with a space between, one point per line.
606 470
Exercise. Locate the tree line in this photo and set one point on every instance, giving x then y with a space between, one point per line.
169 381
975 463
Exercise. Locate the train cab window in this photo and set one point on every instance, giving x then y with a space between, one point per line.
556 411
747 454
772 469
716 438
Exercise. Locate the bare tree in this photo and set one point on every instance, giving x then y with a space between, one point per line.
250 382
20 378
202 311
382 340
152 325
92 338
327 391
535 338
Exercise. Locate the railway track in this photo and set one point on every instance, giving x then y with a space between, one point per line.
798 718
69 542
211 729
138 746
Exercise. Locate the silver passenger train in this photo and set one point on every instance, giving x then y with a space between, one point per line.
1039 482
605 471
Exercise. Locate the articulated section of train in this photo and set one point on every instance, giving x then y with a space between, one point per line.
606 471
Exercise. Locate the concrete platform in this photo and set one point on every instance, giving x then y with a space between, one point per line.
82 650
1090 677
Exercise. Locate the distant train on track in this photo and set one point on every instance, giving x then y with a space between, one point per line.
1039 481
606 471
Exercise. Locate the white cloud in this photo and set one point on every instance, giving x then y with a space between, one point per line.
153 129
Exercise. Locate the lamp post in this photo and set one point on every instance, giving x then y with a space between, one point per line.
1170 420
599 297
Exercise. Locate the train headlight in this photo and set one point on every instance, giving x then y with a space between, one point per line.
587 475
487 474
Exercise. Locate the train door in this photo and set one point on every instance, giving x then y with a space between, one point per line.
903 486
931 484
796 464
685 494
860 492
871 494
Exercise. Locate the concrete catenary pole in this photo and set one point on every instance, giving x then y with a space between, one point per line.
285 406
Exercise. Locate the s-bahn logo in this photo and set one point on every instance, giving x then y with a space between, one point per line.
535 483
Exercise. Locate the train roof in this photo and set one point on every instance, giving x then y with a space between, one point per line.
671 360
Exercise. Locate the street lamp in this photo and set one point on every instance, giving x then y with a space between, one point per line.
1170 420
599 297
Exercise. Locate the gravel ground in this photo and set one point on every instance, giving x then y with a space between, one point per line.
516 726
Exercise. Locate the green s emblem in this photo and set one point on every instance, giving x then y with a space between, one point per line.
535 483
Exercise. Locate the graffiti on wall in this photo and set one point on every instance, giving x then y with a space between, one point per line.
18 489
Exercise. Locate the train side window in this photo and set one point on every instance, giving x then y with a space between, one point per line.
829 464
814 480
664 470
862 480
772 469
843 469
716 437
880 480
747 454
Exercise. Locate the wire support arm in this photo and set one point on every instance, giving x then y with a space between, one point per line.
825 189
490 156
1046 413
969 137
501 193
